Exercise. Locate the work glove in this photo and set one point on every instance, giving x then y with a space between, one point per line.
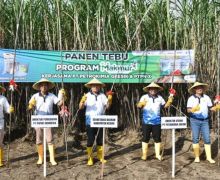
196 108
217 103
142 104
11 109
109 96
83 99
32 104
62 95
216 107
169 101
171 97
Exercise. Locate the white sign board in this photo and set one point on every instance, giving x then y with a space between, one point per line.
173 122
104 121
44 121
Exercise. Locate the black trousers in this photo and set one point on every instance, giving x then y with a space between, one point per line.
91 133
154 129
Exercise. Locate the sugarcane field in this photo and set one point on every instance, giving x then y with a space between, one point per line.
110 89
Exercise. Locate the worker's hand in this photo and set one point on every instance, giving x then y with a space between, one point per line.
196 108
83 99
216 107
11 109
62 94
142 104
169 102
109 96
32 104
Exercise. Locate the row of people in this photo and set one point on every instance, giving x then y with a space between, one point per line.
198 106
96 103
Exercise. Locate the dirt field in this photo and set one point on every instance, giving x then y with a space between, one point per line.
123 152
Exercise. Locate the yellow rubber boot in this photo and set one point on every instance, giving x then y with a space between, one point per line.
51 151
196 152
90 157
157 150
99 154
144 151
1 157
40 150
208 153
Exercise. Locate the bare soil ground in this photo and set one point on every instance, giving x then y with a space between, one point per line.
123 151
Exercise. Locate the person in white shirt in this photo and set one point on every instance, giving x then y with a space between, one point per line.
42 103
198 106
151 104
96 103
4 107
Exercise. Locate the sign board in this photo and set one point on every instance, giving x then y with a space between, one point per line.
164 66
104 121
173 122
44 121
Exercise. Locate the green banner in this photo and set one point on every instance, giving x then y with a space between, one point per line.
109 67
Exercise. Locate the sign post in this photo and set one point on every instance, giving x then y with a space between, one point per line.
44 121
45 154
104 121
173 153
103 153
173 123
